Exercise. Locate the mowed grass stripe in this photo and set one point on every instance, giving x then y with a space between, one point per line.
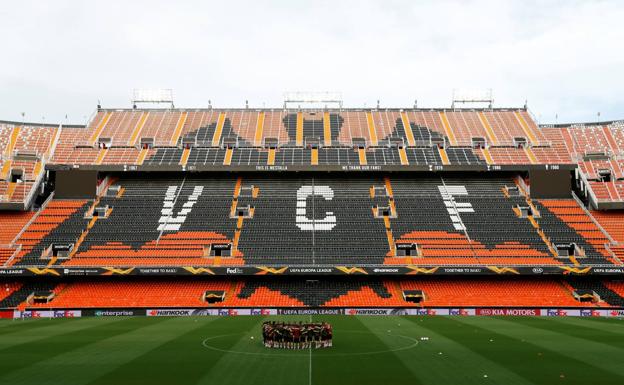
7 327
351 334
103 355
594 323
27 354
52 328
573 328
533 353
263 366
605 320
387 330
169 351
458 363
182 360
592 353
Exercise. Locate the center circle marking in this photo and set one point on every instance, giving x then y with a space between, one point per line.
413 342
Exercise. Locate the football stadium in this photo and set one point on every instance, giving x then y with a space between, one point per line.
414 219
310 240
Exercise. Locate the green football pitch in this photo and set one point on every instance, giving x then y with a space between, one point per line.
367 350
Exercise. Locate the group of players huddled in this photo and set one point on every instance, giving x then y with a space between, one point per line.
300 335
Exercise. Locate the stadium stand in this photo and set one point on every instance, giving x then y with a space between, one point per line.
597 149
177 138
292 195
249 293
11 223
19 294
616 287
321 292
60 222
8 288
599 290
165 233
74 147
318 292
579 229
612 222
24 152
363 220
512 293
133 294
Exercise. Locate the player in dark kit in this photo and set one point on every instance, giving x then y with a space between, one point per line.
296 335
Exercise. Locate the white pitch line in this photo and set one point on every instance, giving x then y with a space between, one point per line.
310 372
414 343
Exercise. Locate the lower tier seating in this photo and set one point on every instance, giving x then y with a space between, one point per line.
133 294
608 291
7 288
616 286
319 292
470 292
18 293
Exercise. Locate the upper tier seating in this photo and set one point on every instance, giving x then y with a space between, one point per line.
414 128
335 131
598 149
24 151
75 147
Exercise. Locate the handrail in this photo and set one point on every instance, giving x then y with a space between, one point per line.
91 117
532 115
12 257
54 143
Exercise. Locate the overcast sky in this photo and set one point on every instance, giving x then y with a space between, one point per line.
60 57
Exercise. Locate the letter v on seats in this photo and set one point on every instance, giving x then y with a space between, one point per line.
169 222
